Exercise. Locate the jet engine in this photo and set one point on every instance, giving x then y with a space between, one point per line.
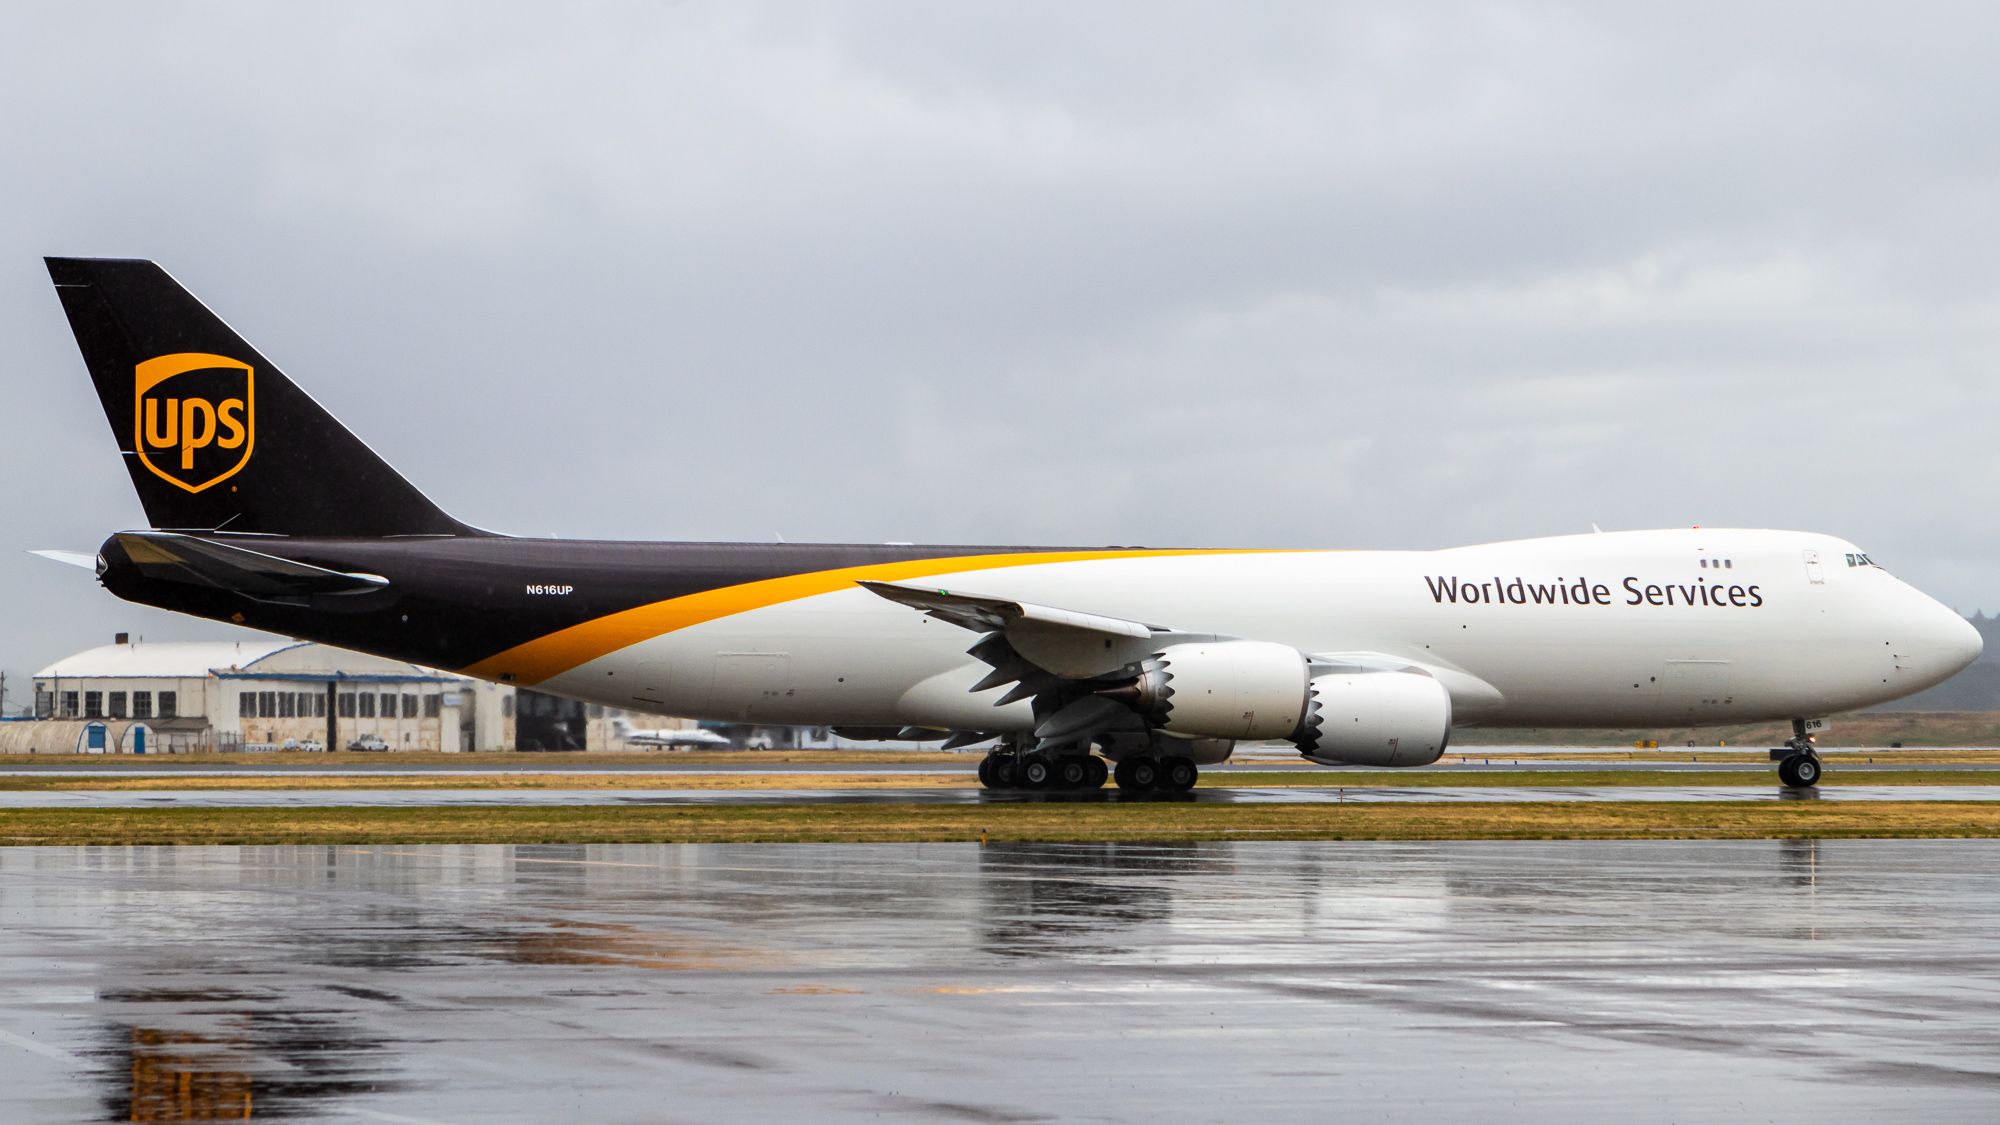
1375 719
1258 690
1227 689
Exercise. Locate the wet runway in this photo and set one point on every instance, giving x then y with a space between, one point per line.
1249 795
1531 982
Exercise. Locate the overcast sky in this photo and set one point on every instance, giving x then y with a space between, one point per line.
1385 276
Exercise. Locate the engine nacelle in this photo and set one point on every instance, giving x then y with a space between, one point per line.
1227 689
1375 719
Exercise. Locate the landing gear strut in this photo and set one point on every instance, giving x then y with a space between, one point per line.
1798 761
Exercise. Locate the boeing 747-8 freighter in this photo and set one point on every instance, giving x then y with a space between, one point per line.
265 511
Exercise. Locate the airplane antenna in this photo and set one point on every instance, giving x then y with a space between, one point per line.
1597 529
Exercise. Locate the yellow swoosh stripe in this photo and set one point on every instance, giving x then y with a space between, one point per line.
560 651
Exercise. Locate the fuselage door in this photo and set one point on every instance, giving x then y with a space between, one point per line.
1815 574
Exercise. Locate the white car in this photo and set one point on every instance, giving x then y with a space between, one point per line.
369 742
308 745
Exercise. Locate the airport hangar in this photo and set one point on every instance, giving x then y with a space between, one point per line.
184 697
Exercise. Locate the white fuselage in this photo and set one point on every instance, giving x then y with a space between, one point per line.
1697 626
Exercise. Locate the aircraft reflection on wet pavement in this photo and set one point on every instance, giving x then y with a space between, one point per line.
1512 981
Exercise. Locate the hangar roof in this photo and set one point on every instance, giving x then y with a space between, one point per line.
190 660
193 660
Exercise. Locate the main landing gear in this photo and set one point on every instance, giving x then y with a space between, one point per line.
1076 772
1798 760
1005 769
1158 775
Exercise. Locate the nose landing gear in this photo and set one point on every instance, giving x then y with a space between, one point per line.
1798 760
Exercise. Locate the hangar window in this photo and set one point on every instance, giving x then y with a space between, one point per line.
346 705
288 705
319 704
507 706
170 706
142 704
367 701
115 707
388 704
246 704
267 704
69 705
432 705
45 704
409 705
93 704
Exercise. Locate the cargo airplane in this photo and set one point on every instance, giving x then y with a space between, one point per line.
1076 663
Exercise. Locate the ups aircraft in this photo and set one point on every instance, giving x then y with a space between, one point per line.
267 512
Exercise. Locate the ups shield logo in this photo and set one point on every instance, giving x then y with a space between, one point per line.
194 418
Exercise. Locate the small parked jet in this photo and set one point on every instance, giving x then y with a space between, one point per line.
687 738
265 511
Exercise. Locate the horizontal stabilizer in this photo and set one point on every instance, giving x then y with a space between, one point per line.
73 558
202 562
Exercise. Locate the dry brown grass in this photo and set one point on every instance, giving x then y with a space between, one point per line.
1052 822
1283 777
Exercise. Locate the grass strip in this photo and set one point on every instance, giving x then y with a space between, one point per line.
1211 779
1132 821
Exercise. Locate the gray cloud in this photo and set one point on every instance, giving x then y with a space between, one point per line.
1113 273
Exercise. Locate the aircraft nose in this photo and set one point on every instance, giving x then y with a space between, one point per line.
1958 643
1945 642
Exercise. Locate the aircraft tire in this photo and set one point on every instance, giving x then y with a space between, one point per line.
1072 771
1003 772
1800 771
986 772
1177 775
1141 775
1098 773
1033 772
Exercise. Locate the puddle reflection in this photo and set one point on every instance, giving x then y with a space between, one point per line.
220 1057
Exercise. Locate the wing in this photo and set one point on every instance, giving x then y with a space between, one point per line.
1061 660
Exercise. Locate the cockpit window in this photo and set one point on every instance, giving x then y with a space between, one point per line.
1858 559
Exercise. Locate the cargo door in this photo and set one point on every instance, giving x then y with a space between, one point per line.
1696 687
1815 574
750 685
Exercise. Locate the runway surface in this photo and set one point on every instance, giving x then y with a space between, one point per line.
1530 982
1303 794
